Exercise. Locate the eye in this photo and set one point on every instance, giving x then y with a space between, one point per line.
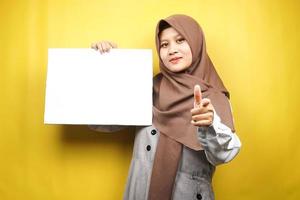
164 44
180 40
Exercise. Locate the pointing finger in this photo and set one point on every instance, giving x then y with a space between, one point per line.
197 95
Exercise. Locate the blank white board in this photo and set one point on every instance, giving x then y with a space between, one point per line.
86 87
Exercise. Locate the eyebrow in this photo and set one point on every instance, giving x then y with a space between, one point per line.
167 40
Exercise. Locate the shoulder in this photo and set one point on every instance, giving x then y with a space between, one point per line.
218 94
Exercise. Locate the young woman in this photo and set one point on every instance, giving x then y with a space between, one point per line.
193 129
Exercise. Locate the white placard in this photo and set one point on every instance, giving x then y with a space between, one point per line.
86 87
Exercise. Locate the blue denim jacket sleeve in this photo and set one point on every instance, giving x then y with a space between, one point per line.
220 144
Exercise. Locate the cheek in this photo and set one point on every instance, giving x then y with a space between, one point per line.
188 54
190 58
162 55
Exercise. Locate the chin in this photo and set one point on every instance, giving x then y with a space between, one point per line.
176 68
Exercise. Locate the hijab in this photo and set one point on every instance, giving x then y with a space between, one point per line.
173 98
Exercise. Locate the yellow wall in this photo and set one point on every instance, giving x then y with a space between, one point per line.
253 44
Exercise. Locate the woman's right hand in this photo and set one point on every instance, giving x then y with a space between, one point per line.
103 46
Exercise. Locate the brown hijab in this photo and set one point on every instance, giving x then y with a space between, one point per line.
173 98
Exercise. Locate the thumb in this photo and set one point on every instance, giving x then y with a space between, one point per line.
197 95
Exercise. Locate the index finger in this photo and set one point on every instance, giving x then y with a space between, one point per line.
197 95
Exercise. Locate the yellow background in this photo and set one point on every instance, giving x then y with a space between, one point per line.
254 45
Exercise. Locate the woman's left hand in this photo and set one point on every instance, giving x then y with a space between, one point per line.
203 111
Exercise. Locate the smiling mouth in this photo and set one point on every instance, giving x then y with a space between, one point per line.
175 60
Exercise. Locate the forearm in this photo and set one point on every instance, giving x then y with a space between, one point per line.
221 145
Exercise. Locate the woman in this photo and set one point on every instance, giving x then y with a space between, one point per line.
175 158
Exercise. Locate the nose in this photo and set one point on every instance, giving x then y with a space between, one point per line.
172 52
172 49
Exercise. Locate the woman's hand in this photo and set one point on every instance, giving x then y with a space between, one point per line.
203 111
103 46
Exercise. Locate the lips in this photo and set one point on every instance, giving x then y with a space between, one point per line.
174 59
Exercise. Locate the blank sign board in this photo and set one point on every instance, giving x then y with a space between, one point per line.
86 87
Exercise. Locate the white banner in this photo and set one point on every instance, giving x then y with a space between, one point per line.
86 87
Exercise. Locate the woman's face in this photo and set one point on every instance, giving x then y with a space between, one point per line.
175 52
